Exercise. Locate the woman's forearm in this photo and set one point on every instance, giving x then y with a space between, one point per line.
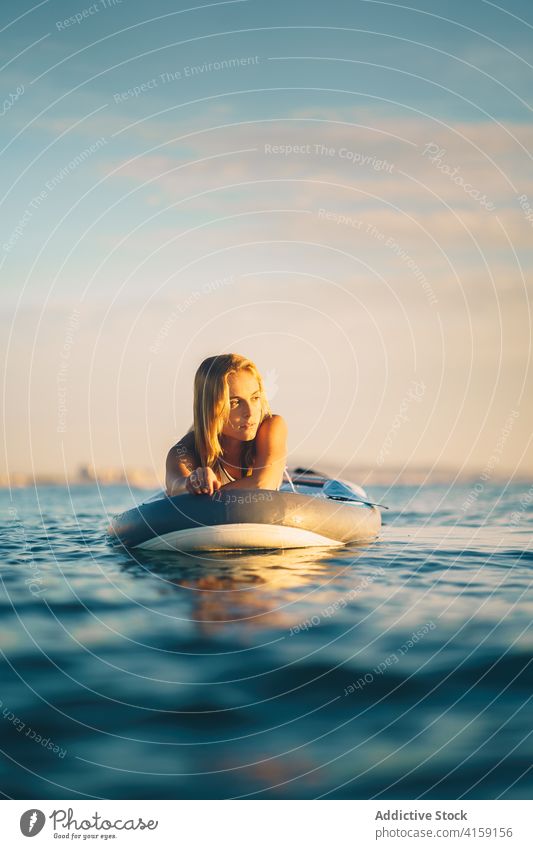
263 479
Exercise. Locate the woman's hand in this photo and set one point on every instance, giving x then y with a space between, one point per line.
202 481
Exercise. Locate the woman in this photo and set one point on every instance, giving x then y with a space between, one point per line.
235 441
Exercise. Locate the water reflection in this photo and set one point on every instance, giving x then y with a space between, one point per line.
255 590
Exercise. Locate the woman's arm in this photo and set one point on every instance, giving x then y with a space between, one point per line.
179 465
184 474
270 457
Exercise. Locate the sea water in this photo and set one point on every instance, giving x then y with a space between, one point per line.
398 669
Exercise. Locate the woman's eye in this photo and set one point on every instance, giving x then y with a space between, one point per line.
255 400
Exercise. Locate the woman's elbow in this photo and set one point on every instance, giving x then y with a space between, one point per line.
270 479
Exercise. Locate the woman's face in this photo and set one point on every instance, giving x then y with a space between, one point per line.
245 406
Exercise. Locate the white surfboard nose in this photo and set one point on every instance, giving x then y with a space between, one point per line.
314 511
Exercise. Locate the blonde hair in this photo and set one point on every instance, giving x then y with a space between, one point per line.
211 404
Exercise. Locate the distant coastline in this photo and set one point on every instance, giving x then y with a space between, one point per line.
143 478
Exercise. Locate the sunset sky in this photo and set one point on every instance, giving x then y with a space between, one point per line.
342 192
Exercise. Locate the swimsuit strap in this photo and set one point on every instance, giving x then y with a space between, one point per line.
225 471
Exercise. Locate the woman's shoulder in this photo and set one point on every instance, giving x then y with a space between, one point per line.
273 426
187 440
184 448
273 422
